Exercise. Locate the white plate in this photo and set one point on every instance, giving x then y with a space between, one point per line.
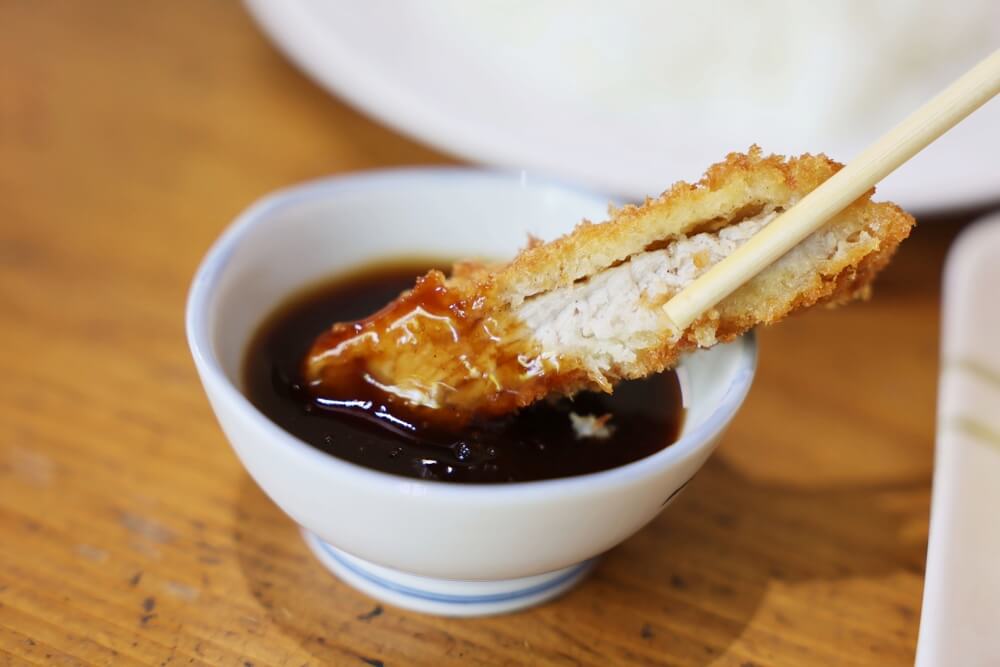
629 97
961 613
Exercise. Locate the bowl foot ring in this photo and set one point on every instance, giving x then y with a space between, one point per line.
446 597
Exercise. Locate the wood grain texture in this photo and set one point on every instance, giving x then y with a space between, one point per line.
130 134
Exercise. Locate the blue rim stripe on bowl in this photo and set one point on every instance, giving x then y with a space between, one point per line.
402 589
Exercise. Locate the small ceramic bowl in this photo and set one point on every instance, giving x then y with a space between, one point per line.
455 549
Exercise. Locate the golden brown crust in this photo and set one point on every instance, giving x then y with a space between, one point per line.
844 280
739 184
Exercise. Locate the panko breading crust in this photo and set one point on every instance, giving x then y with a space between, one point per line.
727 189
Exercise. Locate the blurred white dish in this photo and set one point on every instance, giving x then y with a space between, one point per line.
457 549
961 611
630 97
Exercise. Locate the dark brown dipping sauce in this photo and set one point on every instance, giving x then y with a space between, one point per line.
539 442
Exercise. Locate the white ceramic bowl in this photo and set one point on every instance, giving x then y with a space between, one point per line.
459 549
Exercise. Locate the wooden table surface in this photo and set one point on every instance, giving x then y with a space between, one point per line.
130 135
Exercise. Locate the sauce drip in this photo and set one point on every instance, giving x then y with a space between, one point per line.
444 352
538 442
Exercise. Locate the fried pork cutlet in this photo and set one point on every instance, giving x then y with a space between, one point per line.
585 310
